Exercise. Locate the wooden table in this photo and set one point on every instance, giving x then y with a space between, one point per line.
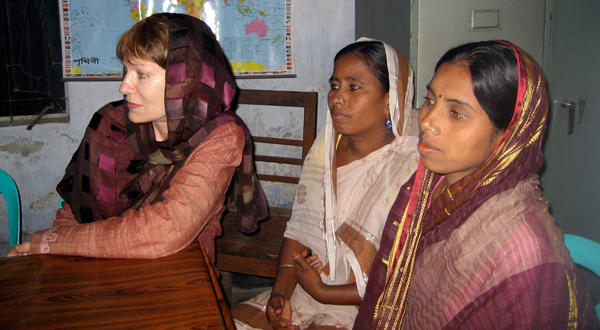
62 292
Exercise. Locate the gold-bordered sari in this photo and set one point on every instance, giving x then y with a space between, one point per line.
486 253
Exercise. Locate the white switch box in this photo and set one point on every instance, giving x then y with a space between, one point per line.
485 19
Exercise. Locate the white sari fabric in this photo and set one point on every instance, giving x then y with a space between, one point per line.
344 231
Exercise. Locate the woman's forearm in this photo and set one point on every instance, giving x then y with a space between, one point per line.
285 280
344 294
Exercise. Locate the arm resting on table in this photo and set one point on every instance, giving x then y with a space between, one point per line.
194 199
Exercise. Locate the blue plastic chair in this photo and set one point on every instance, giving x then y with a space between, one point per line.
586 253
8 188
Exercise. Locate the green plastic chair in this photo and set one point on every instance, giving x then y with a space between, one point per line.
586 253
8 188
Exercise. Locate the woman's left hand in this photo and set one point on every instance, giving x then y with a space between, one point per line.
308 275
22 249
309 278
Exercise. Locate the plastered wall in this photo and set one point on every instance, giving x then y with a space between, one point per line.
36 159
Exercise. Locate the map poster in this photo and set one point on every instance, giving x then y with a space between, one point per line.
256 35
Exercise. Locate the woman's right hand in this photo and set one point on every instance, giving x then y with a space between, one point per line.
22 249
279 312
279 308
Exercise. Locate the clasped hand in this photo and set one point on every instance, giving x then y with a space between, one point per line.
279 313
19 250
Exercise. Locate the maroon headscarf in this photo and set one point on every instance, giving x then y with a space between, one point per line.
135 168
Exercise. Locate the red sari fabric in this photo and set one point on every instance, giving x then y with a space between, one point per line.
485 254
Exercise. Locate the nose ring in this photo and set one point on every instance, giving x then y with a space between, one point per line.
341 99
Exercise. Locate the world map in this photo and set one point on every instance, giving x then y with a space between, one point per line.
256 35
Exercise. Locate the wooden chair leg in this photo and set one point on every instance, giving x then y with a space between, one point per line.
227 285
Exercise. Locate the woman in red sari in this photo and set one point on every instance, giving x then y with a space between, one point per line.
469 242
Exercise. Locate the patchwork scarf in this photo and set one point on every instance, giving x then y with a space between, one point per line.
119 164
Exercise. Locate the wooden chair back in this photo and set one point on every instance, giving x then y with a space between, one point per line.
257 254
306 100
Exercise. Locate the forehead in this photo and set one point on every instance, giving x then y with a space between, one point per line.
140 63
454 79
352 65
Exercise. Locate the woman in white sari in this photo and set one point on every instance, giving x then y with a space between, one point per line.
350 178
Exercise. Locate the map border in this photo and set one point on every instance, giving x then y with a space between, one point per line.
118 74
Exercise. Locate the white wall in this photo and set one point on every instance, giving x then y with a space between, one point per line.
36 159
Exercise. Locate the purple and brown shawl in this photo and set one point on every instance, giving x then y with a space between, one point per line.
119 164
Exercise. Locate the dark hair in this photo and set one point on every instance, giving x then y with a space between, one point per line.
373 54
495 75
